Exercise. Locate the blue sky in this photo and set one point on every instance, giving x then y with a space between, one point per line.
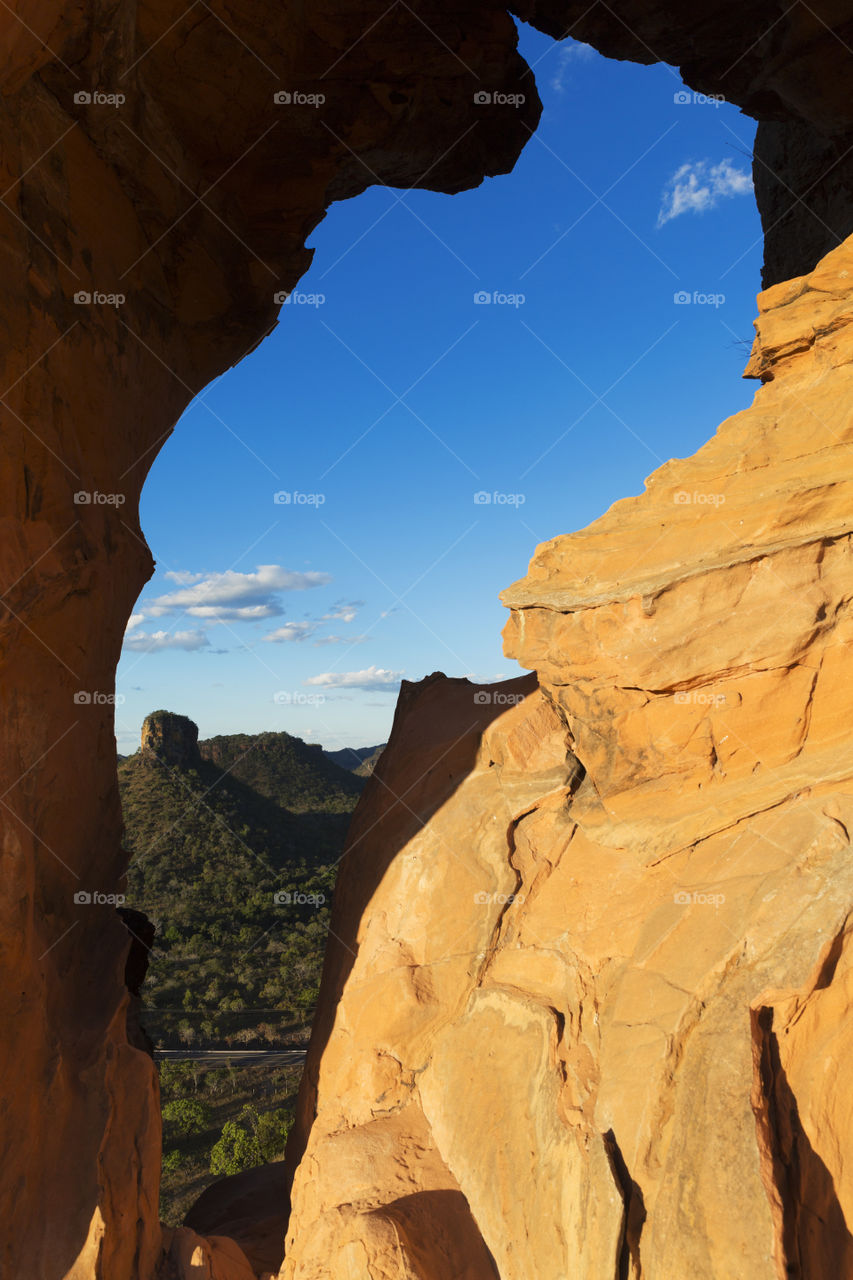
620 260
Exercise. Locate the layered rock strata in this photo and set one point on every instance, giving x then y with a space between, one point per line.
160 173
591 978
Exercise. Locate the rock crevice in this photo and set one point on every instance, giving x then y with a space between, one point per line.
144 244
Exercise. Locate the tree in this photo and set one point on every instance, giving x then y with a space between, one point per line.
217 1081
272 1130
186 1116
186 1031
174 1075
236 1150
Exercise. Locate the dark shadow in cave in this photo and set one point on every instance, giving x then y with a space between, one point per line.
440 1233
814 1239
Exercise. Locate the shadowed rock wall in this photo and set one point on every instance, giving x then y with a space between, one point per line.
156 198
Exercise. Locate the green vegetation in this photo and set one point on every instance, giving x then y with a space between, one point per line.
295 774
250 1140
247 1114
233 853
185 1116
238 884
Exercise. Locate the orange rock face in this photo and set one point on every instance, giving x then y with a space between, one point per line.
156 201
557 1079
593 974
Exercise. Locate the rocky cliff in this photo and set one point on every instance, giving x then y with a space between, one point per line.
170 738
588 1008
157 193
156 201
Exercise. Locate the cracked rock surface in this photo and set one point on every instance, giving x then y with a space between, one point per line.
143 246
593 934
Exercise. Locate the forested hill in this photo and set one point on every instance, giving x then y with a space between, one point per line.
234 846
297 775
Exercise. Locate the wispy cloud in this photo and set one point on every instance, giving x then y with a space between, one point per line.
144 642
340 640
699 185
371 678
291 631
343 612
569 51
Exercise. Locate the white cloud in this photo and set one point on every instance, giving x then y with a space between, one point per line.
569 51
341 640
143 642
342 615
231 596
291 631
371 678
343 612
699 185
233 613
134 620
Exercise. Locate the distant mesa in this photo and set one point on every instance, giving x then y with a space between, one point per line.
171 738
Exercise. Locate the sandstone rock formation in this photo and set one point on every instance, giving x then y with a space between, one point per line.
171 738
143 244
249 1208
192 1257
592 968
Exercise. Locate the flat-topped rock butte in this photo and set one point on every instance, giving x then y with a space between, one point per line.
588 1016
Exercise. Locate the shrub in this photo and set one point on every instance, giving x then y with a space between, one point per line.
186 1116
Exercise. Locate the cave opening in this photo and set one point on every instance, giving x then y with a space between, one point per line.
368 441
450 383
